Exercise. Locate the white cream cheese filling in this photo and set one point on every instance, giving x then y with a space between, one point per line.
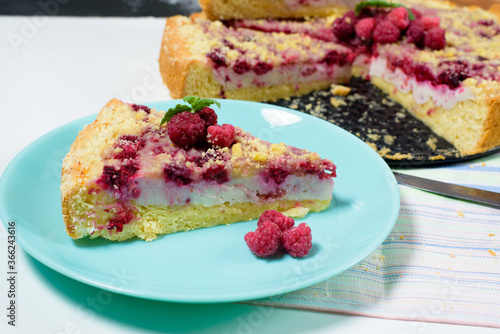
280 75
441 95
159 192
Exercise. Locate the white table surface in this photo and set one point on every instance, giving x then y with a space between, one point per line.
54 70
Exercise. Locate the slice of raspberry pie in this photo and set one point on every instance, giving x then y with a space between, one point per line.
127 175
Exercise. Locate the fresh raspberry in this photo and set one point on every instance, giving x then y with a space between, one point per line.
399 17
186 129
265 241
222 136
435 38
343 27
283 222
386 32
364 28
416 33
416 13
298 240
430 22
208 115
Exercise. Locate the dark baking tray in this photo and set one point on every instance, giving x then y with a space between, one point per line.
402 140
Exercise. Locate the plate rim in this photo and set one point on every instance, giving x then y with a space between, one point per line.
169 297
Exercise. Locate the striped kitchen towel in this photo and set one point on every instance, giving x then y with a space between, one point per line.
441 262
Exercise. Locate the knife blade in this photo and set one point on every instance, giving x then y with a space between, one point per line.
472 194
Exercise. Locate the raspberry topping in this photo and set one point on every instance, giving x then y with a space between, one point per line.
416 13
364 28
138 107
208 115
283 222
399 17
130 146
386 32
416 33
430 22
211 154
343 27
186 129
435 38
384 27
265 241
222 136
298 240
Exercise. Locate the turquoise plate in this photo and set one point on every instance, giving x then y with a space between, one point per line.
214 264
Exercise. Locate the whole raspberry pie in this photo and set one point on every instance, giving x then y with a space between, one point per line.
439 61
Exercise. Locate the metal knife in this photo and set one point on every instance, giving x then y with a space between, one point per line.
448 189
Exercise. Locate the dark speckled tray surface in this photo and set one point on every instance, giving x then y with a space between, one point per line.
367 112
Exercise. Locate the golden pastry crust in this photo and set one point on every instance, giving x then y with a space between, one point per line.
175 56
253 9
84 162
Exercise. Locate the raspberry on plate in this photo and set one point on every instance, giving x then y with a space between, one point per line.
265 241
298 240
283 222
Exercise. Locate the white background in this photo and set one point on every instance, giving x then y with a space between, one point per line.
55 70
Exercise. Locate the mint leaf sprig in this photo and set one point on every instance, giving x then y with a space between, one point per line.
196 103
380 3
